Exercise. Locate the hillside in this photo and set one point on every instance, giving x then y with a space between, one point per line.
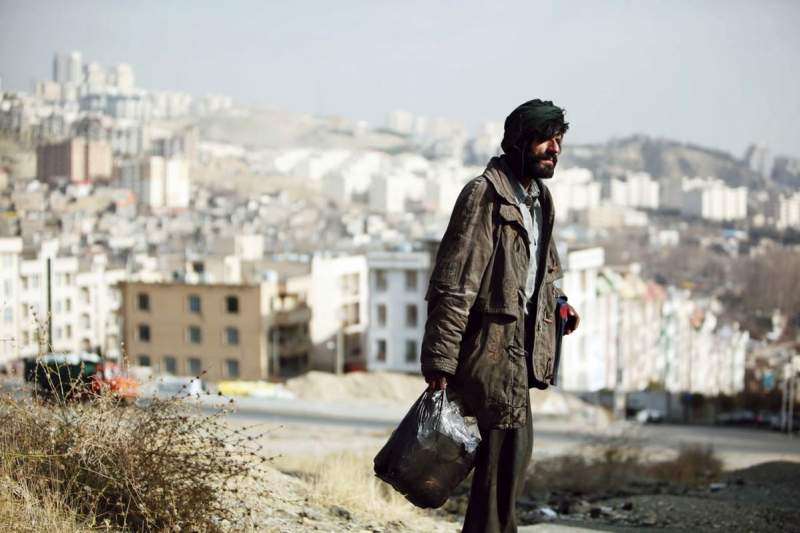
661 158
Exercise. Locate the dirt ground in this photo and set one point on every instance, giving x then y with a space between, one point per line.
761 497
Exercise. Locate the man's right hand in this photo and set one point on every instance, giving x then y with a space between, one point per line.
436 381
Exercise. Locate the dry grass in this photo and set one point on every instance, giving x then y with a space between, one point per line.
159 466
608 464
22 508
694 465
347 480
605 462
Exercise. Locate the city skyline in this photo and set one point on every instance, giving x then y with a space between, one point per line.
722 75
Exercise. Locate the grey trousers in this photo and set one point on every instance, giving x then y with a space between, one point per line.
499 476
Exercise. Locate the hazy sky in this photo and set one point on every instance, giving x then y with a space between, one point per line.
721 73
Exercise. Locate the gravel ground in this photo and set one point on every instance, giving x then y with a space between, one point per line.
760 498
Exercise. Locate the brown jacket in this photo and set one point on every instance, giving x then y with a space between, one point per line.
476 328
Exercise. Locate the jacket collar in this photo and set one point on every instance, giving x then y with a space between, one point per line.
500 175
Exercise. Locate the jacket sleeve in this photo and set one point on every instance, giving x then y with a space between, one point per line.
460 264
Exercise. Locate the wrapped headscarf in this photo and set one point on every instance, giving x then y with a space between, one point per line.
533 119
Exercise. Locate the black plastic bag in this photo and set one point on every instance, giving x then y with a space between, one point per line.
430 453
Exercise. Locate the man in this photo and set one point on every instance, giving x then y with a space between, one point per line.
491 326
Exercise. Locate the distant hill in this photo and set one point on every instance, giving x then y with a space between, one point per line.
661 158
270 128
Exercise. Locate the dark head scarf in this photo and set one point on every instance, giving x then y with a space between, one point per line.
535 119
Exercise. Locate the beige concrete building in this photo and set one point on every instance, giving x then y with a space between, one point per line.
227 331
76 159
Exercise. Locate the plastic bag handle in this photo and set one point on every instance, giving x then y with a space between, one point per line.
441 408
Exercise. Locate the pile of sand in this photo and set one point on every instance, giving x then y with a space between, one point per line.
405 389
376 386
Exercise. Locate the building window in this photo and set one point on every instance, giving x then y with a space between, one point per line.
411 351
381 351
411 316
195 334
381 314
232 368
194 303
143 360
170 365
232 336
143 332
351 314
381 280
232 304
195 366
67 305
349 284
411 280
143 301
67 332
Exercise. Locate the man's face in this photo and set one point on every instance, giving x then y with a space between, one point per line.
543 156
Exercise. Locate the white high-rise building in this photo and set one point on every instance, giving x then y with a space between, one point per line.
637 190
574 189
401 122
583 354
788 211
338 296
122 77
67 68
10 257
158 181
56 302
387 194
715 201
95 77
397 309
707 198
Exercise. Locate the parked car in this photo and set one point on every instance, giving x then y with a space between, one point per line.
650 416
78 376
737 417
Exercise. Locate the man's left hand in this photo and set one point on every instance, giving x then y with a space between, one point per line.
573 319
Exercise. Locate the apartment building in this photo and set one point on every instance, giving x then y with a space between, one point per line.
77 160
53 301
398 311
338 294
227 331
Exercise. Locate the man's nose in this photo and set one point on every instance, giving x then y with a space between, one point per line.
554 145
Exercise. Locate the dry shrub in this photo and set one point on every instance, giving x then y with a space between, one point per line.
609 464
605 463
694 465
23 509
161 465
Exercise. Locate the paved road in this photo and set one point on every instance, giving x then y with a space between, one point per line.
738 447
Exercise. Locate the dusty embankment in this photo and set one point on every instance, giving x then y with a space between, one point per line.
709 499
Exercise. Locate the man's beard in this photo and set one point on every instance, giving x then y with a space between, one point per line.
535 168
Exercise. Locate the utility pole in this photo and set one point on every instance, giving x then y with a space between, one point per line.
784 396
340 349
276 374
789 393
794 366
